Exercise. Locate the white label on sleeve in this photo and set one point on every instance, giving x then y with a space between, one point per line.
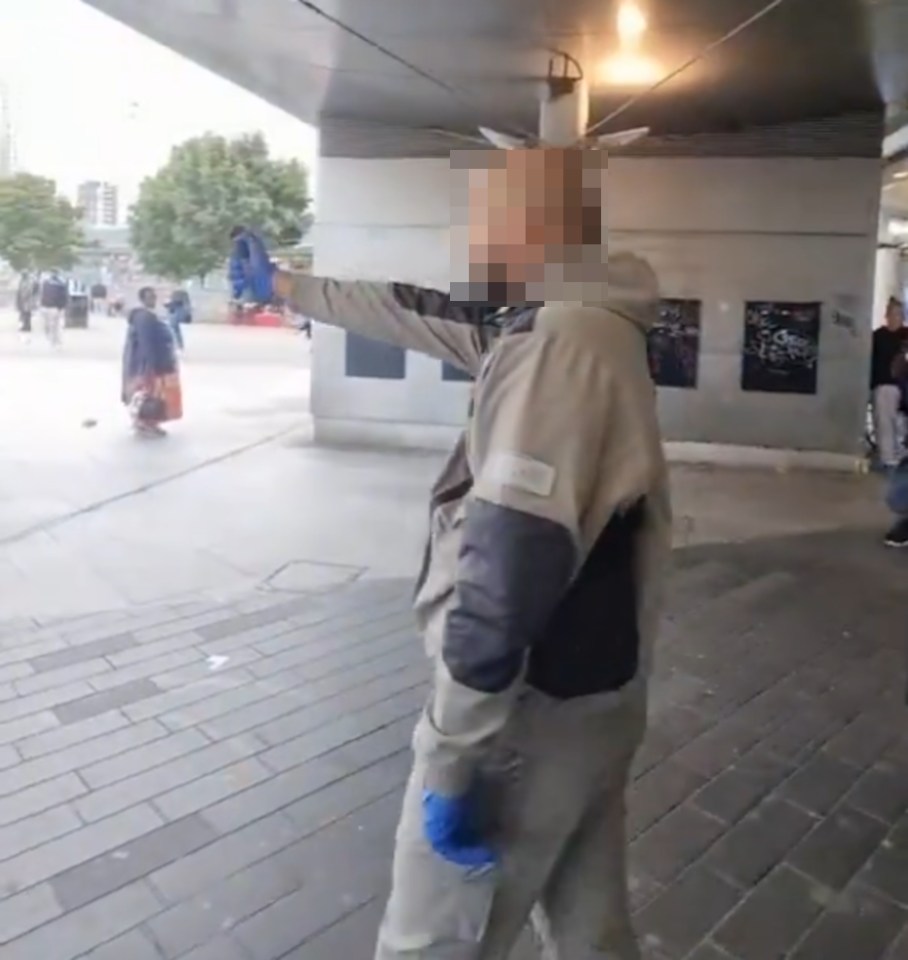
522 473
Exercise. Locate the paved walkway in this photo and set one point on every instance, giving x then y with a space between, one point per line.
210 768
221 783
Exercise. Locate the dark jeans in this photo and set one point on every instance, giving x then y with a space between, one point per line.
897 490
25 321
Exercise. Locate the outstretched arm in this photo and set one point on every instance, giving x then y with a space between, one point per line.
415 318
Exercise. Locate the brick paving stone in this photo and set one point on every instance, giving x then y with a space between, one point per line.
862 742
76 847
194 872
740 788
659 791
668 848
221 948
131 946
899 949
63 761
15 671
31 725
83 670
143 758
361 849
205 791
130 862
837 848
709 951
144 669
38 829
774 916
68 656
25 911
344 730
42 796
75 933
348 937
820 783
56 697
70 735
81 708
163 778
859 924
678 919
174 699
887 870
761 840
882 791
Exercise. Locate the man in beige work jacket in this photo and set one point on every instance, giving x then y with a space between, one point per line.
540 591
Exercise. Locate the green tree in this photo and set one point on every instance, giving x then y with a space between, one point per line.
38 229
180 225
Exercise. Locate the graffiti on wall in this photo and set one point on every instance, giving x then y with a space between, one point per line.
781 347
674 344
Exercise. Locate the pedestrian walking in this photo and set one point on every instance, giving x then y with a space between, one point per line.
27 297
53 297
179 313
151 389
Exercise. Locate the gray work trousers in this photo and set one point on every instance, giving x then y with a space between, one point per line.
888 424
555 790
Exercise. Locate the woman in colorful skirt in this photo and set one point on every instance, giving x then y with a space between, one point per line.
151 372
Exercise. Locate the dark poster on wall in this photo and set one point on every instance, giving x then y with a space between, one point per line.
674 344
781 347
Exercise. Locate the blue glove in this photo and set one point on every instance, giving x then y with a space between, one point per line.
449 826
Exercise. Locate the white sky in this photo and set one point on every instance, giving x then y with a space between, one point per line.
92 99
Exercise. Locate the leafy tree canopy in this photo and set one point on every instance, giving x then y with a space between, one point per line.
39 230
181 222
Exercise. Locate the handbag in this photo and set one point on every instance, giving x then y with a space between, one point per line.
147 406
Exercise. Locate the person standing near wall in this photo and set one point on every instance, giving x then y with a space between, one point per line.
889 341
541 587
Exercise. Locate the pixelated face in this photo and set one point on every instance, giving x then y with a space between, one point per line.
518 214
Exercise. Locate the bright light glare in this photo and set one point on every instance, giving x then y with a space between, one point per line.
630 70
631 24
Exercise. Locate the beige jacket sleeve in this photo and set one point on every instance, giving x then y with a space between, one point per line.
415 318
540 422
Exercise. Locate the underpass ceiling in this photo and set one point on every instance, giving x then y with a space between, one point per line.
807 59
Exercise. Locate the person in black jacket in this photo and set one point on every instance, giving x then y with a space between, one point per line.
889 342
54 297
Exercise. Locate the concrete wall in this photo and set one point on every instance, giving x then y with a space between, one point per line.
723 231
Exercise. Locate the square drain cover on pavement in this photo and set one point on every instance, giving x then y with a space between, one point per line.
306 576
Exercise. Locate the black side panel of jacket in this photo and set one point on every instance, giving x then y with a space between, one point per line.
513 569
591 644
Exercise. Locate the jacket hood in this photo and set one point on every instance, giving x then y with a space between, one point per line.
632 289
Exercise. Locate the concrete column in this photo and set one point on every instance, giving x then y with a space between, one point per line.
886 281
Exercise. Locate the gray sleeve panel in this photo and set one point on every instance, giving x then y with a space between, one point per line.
513 570
414 318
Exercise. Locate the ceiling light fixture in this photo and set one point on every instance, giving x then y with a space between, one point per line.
631 70
632 24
